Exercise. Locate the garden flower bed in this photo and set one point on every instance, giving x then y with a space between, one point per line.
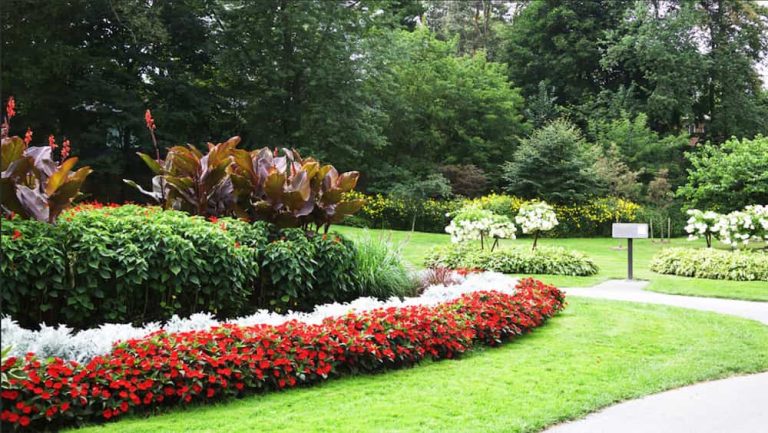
177 368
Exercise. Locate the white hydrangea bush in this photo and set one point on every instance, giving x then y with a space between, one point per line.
702 224
473 223
536 217
739 228
81 346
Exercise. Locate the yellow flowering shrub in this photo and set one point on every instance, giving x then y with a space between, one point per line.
589 219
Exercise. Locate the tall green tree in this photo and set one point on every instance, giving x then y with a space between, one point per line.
439 109
560 43
555 164
729 176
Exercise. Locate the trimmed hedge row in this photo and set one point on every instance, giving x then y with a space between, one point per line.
138 264
518 260
712 264
204 366
588 219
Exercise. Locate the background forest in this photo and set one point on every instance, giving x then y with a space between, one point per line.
564 101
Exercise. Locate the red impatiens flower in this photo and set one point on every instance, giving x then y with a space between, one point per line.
52 142
28 136
213 219
16 234
10 108
149 120
65 148
230 360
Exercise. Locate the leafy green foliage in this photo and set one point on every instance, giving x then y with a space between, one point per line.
542 260
33 185
555 164
739 265
130 264
476 116
728 177
381 268
139 264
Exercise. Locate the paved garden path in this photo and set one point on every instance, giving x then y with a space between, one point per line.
734 405
623 290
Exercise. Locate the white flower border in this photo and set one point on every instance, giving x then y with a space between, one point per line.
62 342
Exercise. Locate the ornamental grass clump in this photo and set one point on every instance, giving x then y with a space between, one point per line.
381 270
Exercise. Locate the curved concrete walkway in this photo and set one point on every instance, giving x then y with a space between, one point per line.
623 290
734 405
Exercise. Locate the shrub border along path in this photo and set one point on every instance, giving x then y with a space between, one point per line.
181 368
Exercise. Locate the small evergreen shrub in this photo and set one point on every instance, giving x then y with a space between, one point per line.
712 263
518 260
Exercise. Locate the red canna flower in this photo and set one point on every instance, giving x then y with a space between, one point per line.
16 234
52 142
28 136
149 120
65 148
10 108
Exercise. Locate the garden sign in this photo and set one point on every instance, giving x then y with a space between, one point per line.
629 232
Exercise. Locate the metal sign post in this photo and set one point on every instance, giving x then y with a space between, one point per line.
629 232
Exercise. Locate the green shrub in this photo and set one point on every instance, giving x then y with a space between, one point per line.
518 260
712 263
138 264
381 269
131 264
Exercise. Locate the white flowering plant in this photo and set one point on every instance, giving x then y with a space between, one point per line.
739 228
473 223
536 217
703 224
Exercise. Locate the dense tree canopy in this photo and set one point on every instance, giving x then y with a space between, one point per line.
402 90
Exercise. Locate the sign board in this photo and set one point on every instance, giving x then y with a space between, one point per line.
630 231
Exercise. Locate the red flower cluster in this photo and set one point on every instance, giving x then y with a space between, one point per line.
149 120
28 136
179 368
65 149
52 142
10 108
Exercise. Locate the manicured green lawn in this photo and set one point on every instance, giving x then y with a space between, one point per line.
612 262
593 354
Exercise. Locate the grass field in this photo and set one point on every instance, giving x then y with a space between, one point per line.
612 262
593 354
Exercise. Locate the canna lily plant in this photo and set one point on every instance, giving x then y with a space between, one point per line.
287 190
292 191
32 184
190 181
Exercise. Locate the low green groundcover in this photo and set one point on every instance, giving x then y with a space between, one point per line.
516 260
712 263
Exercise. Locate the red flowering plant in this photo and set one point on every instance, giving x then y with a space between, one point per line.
226 361
33 185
